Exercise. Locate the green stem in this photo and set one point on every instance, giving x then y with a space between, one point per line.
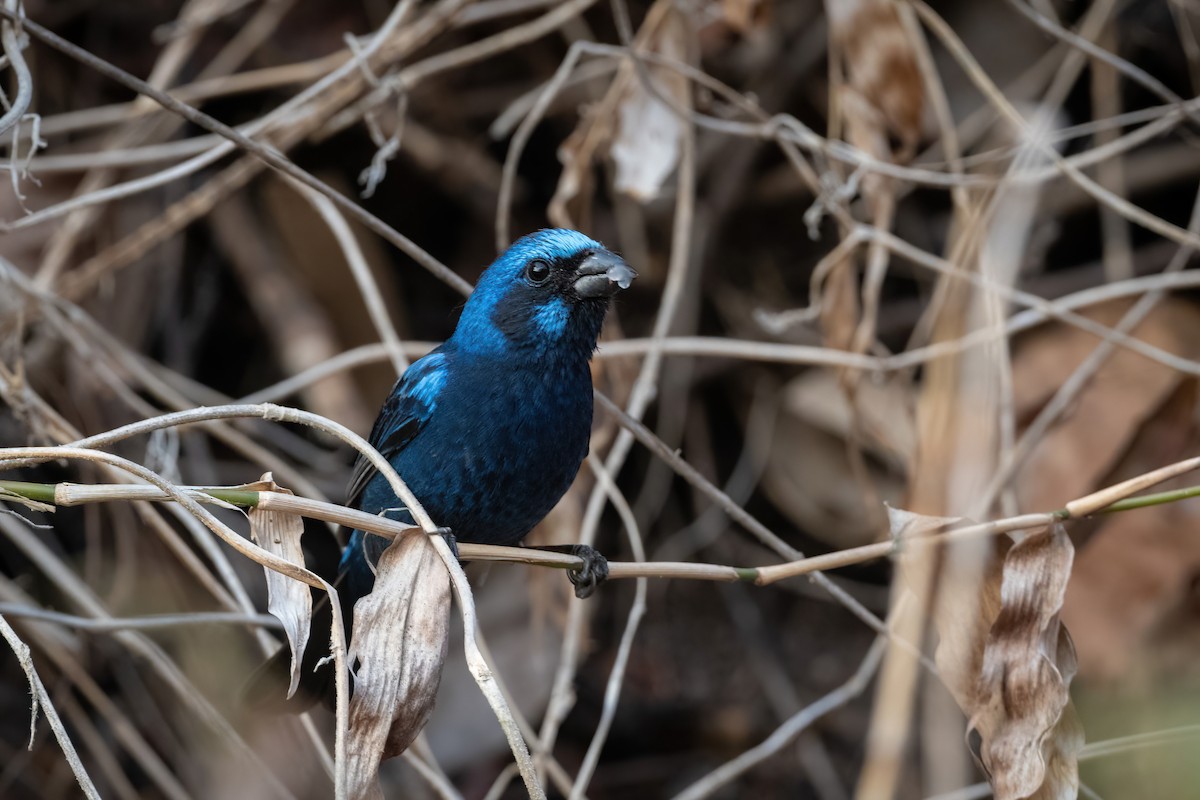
240 498
1146 500
41 492
44 493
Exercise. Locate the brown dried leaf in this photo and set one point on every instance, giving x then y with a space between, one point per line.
1005 655
1071 460
289 600
839 305
570 205
646 148
809 475
1138 570
575 154
881 68
1029 734
907 525
884 406
400 634
886 738
809 478
743 15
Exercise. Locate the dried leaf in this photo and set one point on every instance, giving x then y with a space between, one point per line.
1137 571
646 148
400 634
961 612
1133 570
1005 655
884 406
1071 460
886 738
808 477
1029 734
909 525
569 208
289 600
881 68
743 15
840 304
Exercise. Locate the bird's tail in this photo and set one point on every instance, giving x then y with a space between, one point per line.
266 689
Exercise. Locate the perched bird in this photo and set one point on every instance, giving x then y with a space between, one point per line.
490 429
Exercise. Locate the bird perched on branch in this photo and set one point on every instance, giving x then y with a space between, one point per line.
490 429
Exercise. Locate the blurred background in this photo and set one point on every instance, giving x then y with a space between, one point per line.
938 257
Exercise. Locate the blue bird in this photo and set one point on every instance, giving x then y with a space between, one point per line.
490 429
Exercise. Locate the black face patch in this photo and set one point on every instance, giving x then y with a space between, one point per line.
513 313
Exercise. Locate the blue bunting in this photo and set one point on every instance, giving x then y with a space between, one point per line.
490 429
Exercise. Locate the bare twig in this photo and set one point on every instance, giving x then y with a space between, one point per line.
41 700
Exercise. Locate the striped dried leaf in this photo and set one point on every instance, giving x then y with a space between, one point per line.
1005 656
401 631
1029 733
289 600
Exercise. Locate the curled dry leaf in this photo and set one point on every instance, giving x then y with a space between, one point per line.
646 148
400 634
1030 735
1007 659
289 600
569 208
882 100
881 69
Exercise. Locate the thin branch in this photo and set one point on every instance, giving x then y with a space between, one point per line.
259 150
41 699
153 622
789 730
11 43
1113 499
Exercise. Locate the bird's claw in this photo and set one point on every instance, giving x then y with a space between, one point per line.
591 573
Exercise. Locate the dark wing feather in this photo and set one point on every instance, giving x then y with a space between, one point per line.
405 412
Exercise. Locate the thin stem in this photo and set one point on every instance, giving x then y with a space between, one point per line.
76 494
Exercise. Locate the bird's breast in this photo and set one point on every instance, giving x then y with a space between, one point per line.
503 446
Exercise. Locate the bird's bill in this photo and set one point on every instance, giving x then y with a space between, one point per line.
603 274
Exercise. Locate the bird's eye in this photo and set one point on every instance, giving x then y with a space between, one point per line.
537 271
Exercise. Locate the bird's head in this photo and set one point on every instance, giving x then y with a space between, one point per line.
548 290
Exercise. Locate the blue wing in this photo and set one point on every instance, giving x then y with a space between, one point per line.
406 411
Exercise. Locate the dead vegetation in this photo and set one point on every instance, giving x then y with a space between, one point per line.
894 255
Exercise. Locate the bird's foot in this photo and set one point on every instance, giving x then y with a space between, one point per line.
593 571
451 542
